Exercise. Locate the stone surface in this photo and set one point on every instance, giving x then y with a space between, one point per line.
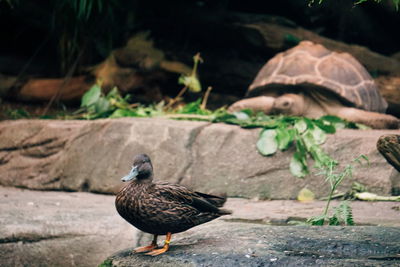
93 155
276 38
59 229
239 244
69 89
389 87
41 228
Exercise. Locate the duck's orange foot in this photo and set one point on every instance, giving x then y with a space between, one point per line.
145 249
158 251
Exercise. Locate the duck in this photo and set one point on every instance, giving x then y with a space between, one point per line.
161 208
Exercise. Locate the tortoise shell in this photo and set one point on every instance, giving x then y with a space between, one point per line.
311 66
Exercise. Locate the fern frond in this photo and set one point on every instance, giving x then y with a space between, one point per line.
343 214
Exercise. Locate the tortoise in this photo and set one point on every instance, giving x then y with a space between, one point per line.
310 80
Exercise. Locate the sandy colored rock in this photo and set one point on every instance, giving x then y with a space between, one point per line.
244 244
93 155
59 229
62 89
41 228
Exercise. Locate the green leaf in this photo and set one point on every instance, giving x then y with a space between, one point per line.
300 125
284 137
267 144
320 157
193 108
102 105
317 220
298 165
191 82
318 135
334 221
325 126
292 39
336 122
241 115
119 113
342 215
308 139
300 147
114 93
362 126
91 96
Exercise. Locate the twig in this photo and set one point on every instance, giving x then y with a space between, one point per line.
188 116
205 98
174 100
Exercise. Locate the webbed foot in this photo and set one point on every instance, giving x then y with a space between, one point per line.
161 250
150 247
145 249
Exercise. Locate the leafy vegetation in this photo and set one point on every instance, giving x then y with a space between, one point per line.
106 263
81 29
357 2
342 214
304 135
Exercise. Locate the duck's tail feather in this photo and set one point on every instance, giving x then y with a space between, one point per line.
224 212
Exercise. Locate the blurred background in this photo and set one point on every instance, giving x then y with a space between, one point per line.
54 51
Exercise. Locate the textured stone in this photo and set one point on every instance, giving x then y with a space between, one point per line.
59 229
93 155
40 228
240 244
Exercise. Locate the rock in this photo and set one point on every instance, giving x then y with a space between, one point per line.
389 87
129 79
138 68
276 38
40 228
6 83
68 89
396 56
60 229
94 155
240 244
389 146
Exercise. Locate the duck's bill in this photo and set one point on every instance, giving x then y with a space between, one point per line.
132 174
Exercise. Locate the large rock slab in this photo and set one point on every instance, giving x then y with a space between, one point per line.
41 228
59 229
240 244
93 155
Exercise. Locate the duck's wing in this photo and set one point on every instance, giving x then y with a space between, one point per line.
184 196
215 200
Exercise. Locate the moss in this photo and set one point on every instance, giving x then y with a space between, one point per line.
106 263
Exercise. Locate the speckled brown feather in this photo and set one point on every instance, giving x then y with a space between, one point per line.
159 208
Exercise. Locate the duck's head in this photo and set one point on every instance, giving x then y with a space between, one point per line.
141 169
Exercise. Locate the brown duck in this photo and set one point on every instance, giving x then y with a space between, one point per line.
160 208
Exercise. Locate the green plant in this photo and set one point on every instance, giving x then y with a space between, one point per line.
190 81
282 132
342 215
15 114
357 2
106 263
279 132
82 31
